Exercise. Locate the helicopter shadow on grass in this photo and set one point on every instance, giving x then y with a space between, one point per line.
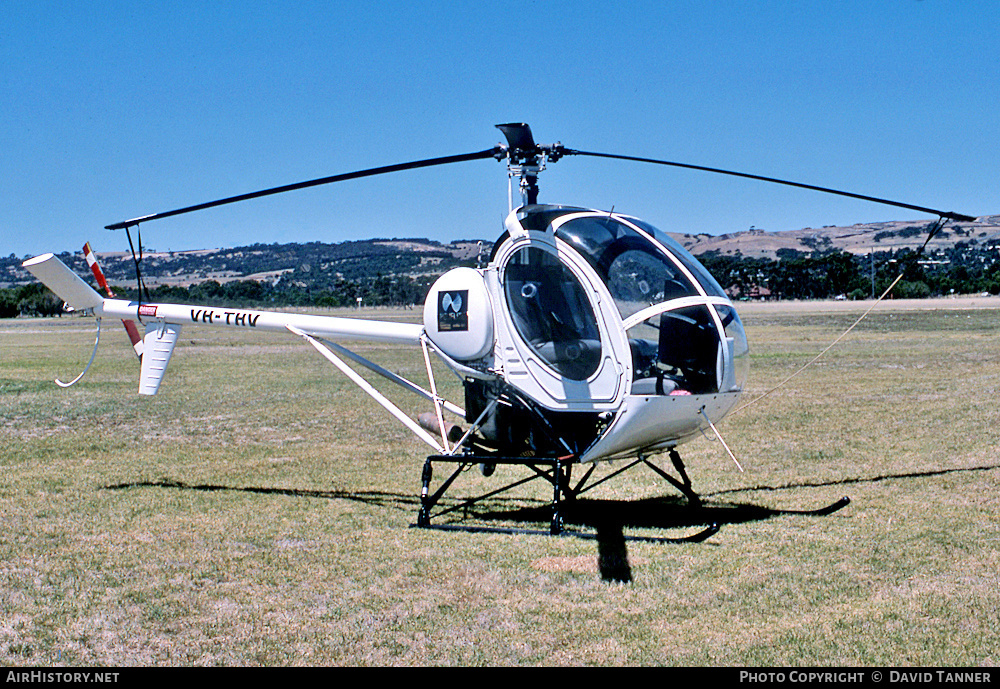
374 497
857 480
605 520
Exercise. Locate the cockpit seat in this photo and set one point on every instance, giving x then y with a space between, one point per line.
654 386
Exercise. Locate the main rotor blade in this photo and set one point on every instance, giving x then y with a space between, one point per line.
430 162
944 214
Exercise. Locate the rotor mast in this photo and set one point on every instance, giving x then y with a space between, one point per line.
525 159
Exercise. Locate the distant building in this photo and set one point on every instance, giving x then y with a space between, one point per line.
753 293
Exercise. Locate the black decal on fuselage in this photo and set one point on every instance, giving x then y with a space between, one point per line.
232 317
453 311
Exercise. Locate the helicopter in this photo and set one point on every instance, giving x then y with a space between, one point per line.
589 336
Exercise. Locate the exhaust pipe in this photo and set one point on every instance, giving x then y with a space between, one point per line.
428 421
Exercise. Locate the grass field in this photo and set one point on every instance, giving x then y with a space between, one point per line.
257 512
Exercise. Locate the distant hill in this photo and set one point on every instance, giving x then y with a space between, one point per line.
317 265
271 262
856 239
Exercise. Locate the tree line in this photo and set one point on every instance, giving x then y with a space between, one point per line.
382 290
963 269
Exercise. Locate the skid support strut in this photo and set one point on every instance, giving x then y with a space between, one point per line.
684 484
556 471
558 482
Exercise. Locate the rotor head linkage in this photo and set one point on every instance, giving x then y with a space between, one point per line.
525 159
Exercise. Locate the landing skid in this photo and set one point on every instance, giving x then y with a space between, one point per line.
684 486
697 537
557 471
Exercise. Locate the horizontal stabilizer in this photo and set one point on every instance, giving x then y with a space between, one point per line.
158 345
67 285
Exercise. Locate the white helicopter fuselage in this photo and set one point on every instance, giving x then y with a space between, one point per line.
585 311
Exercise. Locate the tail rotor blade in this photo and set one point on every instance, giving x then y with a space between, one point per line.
130 327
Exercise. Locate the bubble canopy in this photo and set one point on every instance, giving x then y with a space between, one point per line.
684 334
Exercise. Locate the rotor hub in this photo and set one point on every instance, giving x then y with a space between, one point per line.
525 159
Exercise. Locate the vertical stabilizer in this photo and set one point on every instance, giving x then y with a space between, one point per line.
158 345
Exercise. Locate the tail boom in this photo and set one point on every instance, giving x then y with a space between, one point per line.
331 327
163 322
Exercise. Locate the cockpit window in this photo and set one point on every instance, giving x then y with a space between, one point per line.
637 271
638 278
552 313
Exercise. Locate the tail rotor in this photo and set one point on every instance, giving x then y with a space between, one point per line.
130 326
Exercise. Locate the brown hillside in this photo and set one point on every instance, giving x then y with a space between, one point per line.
856 239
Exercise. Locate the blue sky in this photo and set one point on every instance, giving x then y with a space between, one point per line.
114 110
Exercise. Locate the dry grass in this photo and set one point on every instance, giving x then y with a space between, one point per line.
257 512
